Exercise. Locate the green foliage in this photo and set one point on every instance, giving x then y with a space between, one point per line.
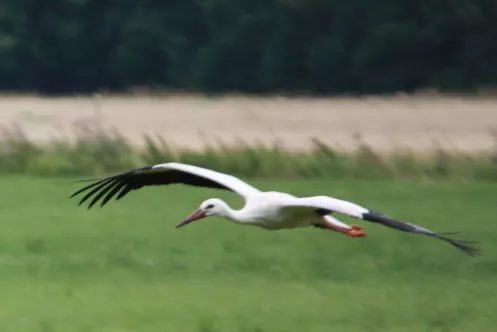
125 268
311 46
98 152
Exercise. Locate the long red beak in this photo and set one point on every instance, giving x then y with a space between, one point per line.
199 214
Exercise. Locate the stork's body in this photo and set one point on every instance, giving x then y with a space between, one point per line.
271 211
267 210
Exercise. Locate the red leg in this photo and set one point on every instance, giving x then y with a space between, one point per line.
355 231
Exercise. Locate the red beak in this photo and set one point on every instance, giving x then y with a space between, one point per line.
199 214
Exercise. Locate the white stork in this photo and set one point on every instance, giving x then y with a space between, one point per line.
268 210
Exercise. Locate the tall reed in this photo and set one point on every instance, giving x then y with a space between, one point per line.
98 152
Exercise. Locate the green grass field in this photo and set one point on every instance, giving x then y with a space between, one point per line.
126 268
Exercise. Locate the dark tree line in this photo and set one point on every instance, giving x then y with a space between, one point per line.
308 46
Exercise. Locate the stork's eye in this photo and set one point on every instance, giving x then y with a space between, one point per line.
210 206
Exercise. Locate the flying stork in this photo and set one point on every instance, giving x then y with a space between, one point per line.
267 210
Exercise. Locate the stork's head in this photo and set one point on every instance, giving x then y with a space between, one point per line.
210 207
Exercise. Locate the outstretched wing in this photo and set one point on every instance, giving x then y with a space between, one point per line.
162 174
357 211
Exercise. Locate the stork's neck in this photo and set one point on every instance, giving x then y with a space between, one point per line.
236 216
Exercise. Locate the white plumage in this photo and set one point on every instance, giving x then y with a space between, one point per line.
267 210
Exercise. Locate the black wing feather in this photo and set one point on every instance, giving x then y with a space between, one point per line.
124 192
408 227
102 192
125 182
100 185
111 193
88 187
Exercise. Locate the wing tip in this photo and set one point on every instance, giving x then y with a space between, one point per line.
465 246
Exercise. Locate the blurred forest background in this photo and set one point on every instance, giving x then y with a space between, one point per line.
253 46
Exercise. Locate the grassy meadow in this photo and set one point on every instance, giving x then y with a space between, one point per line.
126 268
